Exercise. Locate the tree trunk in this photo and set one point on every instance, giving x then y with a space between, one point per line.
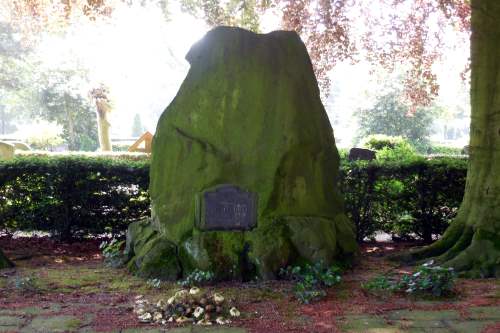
472 242
4 261
103 126
71 124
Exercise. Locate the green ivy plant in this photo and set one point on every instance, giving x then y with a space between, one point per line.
27 285
112 252
426 280
197 278
311 280
154 283
435 280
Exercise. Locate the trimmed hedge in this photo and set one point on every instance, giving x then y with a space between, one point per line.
72 196
416 197
75 196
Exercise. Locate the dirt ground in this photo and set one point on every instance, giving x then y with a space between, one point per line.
72 291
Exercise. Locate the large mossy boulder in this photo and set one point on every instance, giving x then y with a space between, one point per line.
248 114
4 261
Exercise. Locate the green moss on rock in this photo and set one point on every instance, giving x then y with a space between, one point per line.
248 114
151 255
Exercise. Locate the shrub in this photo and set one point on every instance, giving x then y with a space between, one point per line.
311 280
381 141
444 150
76 196
72 196
413 198
390 147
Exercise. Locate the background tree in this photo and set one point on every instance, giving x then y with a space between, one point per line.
60 102
137 128
406 33
390 116
103 107
28 90
472 242
14 72
6 121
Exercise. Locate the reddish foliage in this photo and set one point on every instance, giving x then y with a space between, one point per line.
392 32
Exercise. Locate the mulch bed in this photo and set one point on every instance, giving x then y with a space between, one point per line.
111 311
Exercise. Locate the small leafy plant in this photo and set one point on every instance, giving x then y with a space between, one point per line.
27 285
379 282
427 279
112 252
311 280
154 283
435 280
197 278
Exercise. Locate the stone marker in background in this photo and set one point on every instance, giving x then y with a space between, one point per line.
20 145
361 154
6 150
244 166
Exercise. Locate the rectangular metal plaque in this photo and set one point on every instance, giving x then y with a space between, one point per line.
226 207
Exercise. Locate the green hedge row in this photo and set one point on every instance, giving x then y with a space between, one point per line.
415 198
72 196
79 196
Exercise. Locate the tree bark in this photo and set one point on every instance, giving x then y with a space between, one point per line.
4 261
71 124
103 124
471 244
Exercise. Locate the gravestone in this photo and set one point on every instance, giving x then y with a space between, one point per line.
20 145
6 151
356 154
244 168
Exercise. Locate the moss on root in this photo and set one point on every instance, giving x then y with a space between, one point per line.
149 254
471 245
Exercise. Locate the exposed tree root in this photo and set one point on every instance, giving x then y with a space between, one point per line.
472 252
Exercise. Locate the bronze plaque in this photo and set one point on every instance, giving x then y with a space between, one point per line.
226 207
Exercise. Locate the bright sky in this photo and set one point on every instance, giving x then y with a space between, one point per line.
140 57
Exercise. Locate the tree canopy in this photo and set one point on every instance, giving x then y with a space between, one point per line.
385 32
391 117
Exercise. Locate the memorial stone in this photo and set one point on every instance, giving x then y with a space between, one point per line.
244 168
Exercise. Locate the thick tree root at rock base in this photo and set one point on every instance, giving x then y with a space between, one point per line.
473 253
